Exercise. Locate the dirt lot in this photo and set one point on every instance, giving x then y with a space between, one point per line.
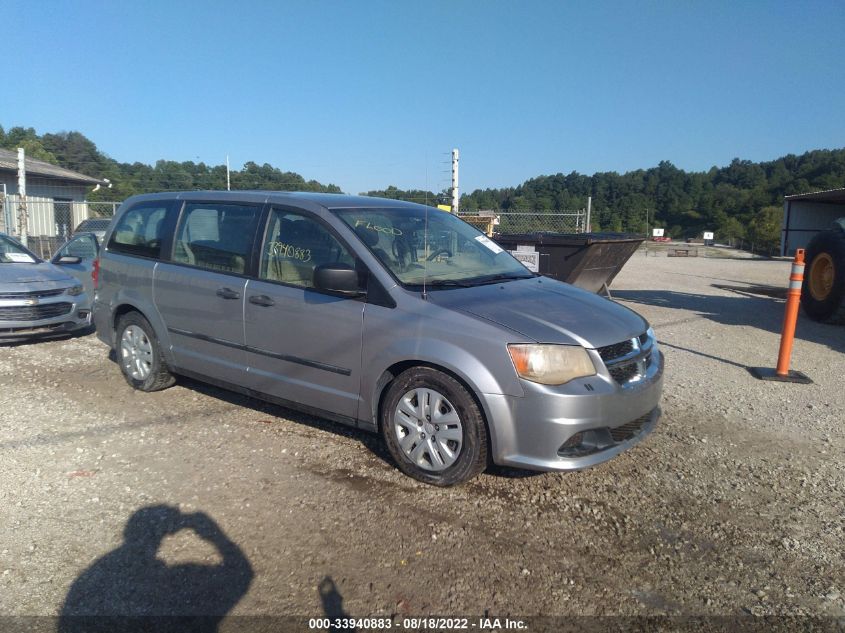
736 503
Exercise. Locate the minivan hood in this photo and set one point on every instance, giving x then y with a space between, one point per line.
547 311
13 277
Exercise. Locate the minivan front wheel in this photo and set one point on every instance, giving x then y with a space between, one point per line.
139 354
433 428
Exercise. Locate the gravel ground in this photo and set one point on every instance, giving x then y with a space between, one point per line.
735 504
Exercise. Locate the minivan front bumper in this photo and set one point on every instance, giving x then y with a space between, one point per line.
583 423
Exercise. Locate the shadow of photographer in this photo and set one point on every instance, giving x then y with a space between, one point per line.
332 601
129 586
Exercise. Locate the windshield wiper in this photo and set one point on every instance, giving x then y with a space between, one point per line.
471 282
492 279
448 282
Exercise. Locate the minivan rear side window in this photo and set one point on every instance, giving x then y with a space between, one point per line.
216 236
140 231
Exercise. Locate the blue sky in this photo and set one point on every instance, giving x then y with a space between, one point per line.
368 94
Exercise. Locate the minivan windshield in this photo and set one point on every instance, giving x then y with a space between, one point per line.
427 245
13 253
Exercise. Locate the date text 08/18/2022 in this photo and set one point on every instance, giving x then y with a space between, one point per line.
425 623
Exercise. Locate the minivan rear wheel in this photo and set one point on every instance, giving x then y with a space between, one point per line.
139 354
433 427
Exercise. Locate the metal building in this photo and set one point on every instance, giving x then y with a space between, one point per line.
55 196
806 214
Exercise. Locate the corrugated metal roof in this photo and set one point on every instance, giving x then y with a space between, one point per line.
42 169
831 195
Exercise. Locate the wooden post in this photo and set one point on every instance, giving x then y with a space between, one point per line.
23 216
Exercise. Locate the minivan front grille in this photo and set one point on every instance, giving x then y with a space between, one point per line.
624 360
610 352
32 294
624 373
34 313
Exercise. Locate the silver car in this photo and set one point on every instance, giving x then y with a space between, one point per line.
38 298
97 226
389 316
78 257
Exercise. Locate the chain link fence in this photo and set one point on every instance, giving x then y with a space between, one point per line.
101 209
50 222
44 245
529 221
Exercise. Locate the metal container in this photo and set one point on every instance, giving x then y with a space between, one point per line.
588 260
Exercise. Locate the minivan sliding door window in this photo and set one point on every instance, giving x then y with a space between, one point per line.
216 236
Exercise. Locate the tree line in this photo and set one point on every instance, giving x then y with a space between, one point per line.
742 201
72 150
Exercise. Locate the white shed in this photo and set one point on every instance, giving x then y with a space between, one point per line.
55 196
806 214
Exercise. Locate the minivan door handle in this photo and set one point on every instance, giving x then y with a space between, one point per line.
262 300
228 293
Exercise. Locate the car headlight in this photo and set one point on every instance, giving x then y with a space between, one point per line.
75 291
551 364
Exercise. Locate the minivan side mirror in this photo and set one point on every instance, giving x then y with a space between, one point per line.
68 259
340 278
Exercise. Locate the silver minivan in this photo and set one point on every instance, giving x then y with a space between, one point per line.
389 316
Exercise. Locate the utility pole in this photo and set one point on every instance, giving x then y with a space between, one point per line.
456 200
646 231
23 217
588 227
228 182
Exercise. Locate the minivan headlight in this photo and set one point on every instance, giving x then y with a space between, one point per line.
75 291
551 364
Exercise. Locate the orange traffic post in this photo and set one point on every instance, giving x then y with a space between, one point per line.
782 373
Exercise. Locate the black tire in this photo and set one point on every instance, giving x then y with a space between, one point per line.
159 376
472 458
825 249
